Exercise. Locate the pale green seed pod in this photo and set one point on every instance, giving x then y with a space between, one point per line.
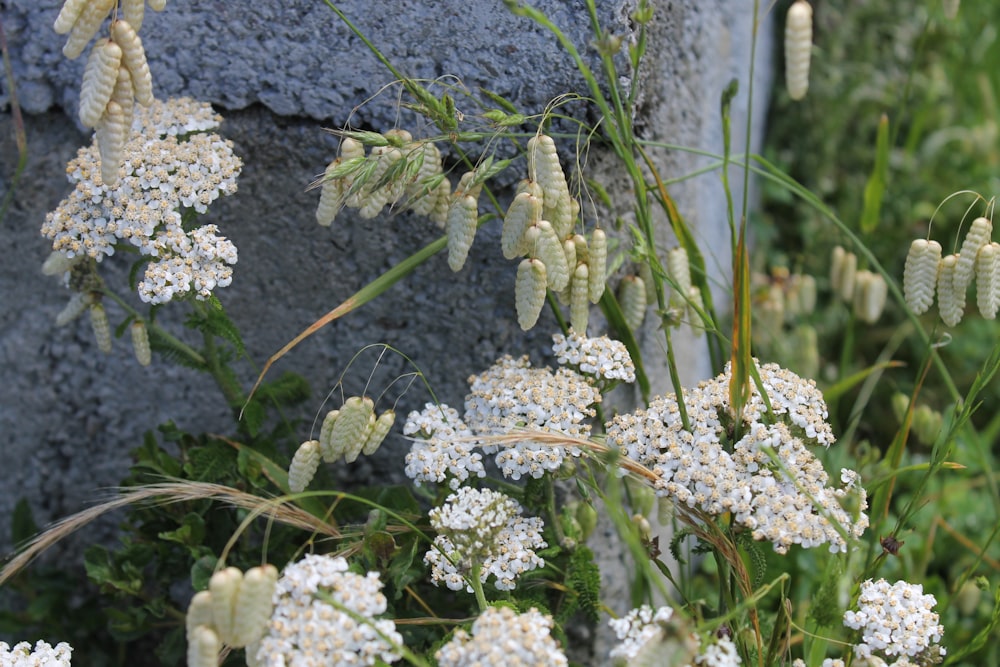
111 134
353 451
134 58
304 465
332 194
988 280
870 292
199 612
101 327
99 78
68 15
979 235
579 301
134 11
800 295
927 424
351 148
85 26
550 251
442 200
646 275
920 274
951 302
350 430
569 251
420 198
529 291
523 212
73 309
462 217
203 647
900 403
224 586
325 433
632 298
157 5
798 48
374 197
679 268
642 498
253 605
695 304
140 343
843 269
466 187
544 167
597 264
124 96
378 434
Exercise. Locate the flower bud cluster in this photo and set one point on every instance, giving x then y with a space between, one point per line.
309 625
601 357
170 164
895 620
512 395
484 529
769 480
442 447
42 655
500 637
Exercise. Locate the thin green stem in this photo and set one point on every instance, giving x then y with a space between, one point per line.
477 585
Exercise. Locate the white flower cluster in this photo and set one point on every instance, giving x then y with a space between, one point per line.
43 655
769 480
512 395
307 631
442 448
601 357
827 662
170 164
895 620
483 527
501 637
636 628
644 633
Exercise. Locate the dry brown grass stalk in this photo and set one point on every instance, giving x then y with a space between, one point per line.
278 508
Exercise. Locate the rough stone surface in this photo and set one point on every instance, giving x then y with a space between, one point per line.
280 71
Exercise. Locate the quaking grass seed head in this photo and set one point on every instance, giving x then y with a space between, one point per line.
920 274
529 292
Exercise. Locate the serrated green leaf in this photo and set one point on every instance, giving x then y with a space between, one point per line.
253 417
211 462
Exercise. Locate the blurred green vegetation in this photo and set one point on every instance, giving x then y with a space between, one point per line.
936 79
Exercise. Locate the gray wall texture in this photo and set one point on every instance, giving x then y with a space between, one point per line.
280 71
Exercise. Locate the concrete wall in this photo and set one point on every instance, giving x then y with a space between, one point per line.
280 71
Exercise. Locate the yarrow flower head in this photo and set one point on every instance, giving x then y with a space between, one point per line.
896 620
769 479
442 447
501 637
171 163
483 528
309 626
602 357
43 655
512 395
